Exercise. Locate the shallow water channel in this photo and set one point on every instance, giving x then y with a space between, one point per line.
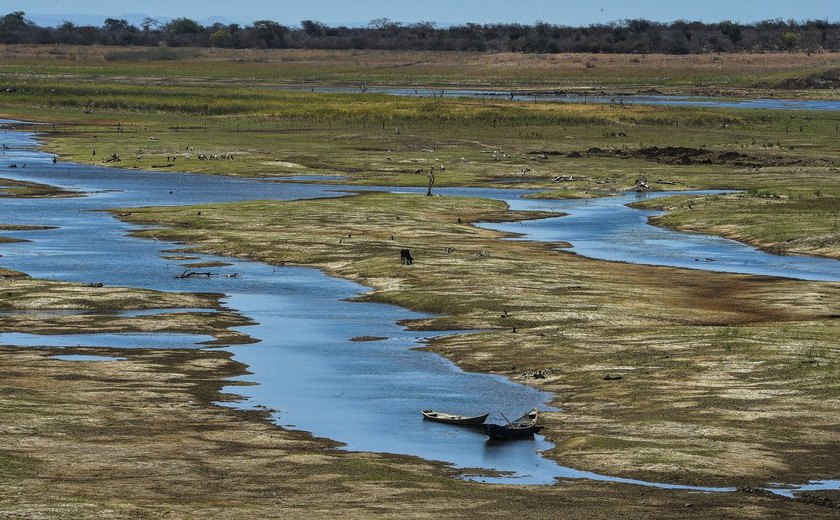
608 229
613 99
367 395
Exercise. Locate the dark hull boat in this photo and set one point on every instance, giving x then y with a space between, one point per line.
449 418
522 428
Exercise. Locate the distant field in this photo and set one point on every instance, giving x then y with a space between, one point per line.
503 70
155 106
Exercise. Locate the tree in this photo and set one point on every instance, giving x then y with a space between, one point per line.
789 39
14 21
383 24
732 30
14 28
313 27
269 34
87 34
149 23
678 43
431 181
632 35
183 26
222 38
114 25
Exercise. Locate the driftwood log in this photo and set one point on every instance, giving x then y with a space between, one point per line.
190 274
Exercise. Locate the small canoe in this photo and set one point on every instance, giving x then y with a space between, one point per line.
449 418
522 428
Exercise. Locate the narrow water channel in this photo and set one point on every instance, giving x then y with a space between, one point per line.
365 394
592 98
608 229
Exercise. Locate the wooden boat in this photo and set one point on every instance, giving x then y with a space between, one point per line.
449 418
524 427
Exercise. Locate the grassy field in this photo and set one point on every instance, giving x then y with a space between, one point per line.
725 379
707 73
376 139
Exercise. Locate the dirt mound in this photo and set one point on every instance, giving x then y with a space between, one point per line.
820 80
682 155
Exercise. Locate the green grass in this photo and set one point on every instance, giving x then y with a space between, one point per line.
377 139
278 107
23 189
16 465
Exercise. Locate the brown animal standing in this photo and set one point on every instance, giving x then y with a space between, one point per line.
405 257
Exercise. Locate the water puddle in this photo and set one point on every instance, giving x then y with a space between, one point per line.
814 485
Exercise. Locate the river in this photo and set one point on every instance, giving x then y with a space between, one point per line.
304 358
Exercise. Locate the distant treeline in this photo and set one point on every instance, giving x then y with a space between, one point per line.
627 36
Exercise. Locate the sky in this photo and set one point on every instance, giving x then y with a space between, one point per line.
444 12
